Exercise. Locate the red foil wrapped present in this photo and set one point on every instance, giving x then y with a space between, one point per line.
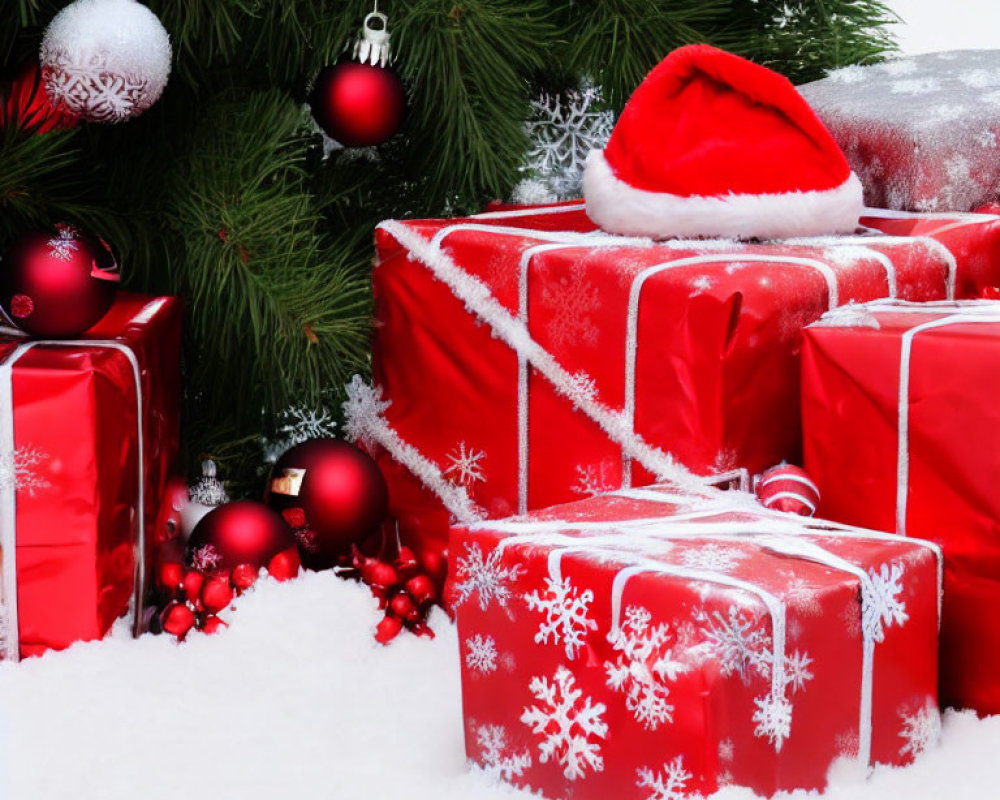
649 638
901 434
526 359
88 435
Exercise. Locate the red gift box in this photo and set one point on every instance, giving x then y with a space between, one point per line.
616 644
528 359
900 412
88 435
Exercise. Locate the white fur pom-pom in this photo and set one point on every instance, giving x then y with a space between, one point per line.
105 60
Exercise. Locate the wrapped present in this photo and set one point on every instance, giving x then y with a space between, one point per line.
526 359
653 643
921 132
901 417
88 435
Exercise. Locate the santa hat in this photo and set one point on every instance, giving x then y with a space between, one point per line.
711 144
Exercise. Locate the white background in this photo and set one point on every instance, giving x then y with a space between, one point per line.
930 25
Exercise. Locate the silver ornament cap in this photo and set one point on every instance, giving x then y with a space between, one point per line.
373 45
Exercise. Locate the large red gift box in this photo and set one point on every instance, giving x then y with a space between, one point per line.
525 358
88 436
901 434
615 646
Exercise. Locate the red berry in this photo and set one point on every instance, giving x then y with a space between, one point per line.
406 561
388 629
295 517
193 581
421 589
170 576
177 619
381 575
435 565
213 624
402 605
285 565
216 594
244 576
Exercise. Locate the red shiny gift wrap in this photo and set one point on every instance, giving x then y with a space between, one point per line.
901 434
72 460
528 359
619 643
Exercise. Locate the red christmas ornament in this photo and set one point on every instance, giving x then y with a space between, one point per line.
57 285
788 488
245 532
26 104
177 619
333 494
212 624
360 102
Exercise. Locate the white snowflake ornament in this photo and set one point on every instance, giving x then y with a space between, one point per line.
105 60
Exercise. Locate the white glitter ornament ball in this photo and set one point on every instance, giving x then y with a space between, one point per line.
105 60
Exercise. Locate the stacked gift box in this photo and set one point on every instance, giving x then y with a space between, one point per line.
556 389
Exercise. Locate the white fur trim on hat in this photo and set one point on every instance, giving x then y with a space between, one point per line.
620 208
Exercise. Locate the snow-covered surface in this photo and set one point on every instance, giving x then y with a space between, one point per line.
296 700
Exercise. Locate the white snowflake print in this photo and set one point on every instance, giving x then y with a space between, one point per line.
774 718
92 91
666 784
486 577
565 612
572 299
583 387
595 479
19 469
803 597
643 666
481 654
712 558
701 285
466 465
563 130
206 557
65 244
920 729
566 725
882 607
508 662
727 750
495 760
739 644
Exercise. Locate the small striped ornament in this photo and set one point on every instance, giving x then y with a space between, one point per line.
787 488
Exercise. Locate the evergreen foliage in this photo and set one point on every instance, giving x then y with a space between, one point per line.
221 191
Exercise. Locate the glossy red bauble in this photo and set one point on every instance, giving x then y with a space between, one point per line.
359 105
57 284
341 492
789 489
245 532
177 619
26 104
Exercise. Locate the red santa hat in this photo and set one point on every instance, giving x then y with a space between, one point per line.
711 144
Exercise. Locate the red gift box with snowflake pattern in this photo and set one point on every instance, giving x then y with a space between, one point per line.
523 358
900 404
89 433
653 644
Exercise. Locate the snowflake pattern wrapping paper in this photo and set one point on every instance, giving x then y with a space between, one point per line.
529 360
70 459
911 405
640 671
921 132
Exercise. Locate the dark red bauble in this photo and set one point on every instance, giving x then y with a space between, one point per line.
27 105
341 492
359 105
245 532
57 284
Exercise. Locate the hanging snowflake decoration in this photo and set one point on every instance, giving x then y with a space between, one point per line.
105 60
65 244
466 465
920 730
565 612
481 654
563 129
19 470
487 578
566 725
881 607
643 667
493 755
666 784
298 424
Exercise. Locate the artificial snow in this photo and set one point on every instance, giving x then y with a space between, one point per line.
296 700
920 132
